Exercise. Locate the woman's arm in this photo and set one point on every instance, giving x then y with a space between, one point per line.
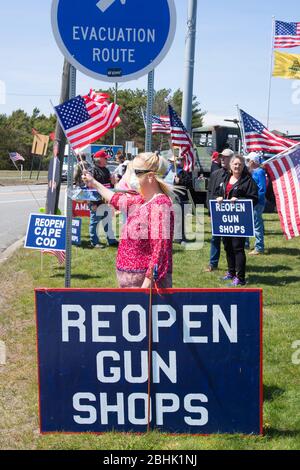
106 193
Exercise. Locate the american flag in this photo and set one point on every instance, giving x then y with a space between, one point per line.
286 34
15 156
284 171
85 121
160 124
180 138
99 97
102 99
60 255
259 139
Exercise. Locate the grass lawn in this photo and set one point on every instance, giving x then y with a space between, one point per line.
277 272
13 177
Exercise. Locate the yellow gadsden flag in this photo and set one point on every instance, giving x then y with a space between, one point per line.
286 65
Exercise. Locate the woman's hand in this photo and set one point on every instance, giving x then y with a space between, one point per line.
88 179
219 199
233 199
146 284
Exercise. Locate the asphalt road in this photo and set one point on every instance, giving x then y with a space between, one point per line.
16 204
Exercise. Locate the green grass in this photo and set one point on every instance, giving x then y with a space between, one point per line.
13 177
277 272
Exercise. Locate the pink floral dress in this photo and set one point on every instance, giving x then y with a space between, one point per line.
146 239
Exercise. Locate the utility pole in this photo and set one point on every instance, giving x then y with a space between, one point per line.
187 98
60 137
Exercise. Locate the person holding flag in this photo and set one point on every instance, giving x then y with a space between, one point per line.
146 239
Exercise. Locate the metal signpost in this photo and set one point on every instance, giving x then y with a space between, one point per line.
70 187
148 144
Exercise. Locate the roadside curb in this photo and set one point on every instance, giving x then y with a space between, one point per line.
8 252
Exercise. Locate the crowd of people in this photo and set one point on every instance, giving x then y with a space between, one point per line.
146 190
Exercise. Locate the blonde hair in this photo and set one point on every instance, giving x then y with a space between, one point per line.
157 164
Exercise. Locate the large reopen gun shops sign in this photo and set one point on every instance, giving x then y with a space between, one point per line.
201 372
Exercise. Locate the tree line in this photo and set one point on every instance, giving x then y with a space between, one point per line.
16 129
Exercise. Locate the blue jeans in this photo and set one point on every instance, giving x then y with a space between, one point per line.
215 251
106 219
259 230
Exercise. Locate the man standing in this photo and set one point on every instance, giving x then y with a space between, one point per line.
100 212
216 178
259 176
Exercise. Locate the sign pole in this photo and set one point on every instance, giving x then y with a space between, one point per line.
69 189
150 96
187 97
115 101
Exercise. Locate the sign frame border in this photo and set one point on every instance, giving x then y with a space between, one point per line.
27 231
231 235
158 292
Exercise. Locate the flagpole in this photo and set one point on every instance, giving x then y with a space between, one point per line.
271 70
242 130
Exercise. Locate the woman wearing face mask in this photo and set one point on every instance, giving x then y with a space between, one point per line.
237 184
146 239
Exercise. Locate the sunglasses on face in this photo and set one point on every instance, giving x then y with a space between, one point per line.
141 172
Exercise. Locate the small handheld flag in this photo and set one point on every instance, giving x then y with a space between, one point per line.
84 120
180 138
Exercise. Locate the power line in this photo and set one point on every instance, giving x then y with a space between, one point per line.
23 94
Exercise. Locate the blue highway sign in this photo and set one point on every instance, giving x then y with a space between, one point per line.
114 40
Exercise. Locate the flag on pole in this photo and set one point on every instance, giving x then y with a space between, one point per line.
286 65
84 121
180 138
284 172
160 124
101 99
286 34
15 156
60 255
259 139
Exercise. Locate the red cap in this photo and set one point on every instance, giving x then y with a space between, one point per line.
101 154
215 156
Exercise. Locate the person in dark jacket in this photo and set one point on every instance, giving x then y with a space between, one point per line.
215 162
185 181
101 174
237 184
215 180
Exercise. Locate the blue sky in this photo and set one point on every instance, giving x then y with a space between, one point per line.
232 63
